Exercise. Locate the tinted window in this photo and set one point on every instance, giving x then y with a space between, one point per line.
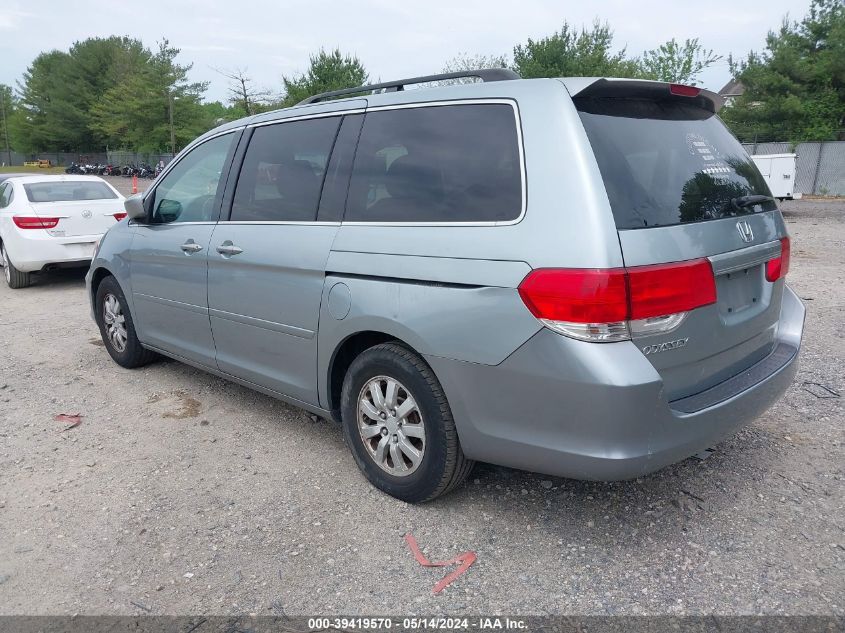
6 195
336 182
189 191
283 171
456 163
69 190
667 162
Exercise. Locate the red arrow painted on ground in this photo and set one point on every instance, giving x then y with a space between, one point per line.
466 560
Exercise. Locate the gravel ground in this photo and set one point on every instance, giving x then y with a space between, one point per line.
182 493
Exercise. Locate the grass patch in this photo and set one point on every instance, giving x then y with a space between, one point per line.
32 170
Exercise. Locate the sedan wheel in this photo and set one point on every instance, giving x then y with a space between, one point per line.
14 277
6 270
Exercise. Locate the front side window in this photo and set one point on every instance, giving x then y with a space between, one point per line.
449 163
283 171
190 191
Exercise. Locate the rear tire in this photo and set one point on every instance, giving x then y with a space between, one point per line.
399 427
14 278
117 327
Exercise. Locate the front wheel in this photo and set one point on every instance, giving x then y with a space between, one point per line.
14 278
399 427
117 327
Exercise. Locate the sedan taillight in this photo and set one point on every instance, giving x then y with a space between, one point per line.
33 222
119 215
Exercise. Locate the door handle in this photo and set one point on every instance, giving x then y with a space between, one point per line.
227 248
191 247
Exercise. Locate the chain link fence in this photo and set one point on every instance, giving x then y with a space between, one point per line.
63 159
820 168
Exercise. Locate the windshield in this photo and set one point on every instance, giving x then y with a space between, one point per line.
667 162
66 191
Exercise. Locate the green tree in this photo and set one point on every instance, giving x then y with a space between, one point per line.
327 71
7 108
676 62
36 124
216 113
107 92
795 88
59 89
569 52
154 107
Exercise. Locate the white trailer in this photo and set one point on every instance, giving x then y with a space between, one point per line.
779 172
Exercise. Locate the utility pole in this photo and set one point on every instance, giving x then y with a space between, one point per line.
172 131
5 125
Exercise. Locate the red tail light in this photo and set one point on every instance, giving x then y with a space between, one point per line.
778 267
32 222
120 215
576 295
684 91
670 288
565 297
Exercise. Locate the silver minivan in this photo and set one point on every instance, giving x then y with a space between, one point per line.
580 277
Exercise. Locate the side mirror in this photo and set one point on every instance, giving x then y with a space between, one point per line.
169 210
135 208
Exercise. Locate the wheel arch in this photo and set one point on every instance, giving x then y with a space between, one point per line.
97 277
346 351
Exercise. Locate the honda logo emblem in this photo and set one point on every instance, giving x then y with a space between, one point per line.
745 231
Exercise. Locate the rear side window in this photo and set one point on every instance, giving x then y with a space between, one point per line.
7 194
67 191
451 163
667 162
336 181
283 171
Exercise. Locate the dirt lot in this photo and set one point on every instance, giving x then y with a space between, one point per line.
181 493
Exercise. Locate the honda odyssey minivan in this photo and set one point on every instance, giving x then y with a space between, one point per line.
581 277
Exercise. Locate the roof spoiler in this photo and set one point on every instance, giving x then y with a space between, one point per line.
642 89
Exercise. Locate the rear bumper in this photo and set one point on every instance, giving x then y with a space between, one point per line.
599 411
31 253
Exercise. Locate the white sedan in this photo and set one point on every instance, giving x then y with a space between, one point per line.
53 221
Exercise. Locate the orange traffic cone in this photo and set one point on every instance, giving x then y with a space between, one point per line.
134 184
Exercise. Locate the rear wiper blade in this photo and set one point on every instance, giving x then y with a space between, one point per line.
747 201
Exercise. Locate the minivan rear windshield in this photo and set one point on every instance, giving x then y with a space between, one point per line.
66 191
668 162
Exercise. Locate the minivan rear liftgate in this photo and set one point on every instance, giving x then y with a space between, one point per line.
698 229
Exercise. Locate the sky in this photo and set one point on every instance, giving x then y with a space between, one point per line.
393 38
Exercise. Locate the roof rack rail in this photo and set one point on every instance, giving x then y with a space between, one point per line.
484 74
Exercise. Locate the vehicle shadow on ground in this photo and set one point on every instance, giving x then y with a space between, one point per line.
673 503
59 278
